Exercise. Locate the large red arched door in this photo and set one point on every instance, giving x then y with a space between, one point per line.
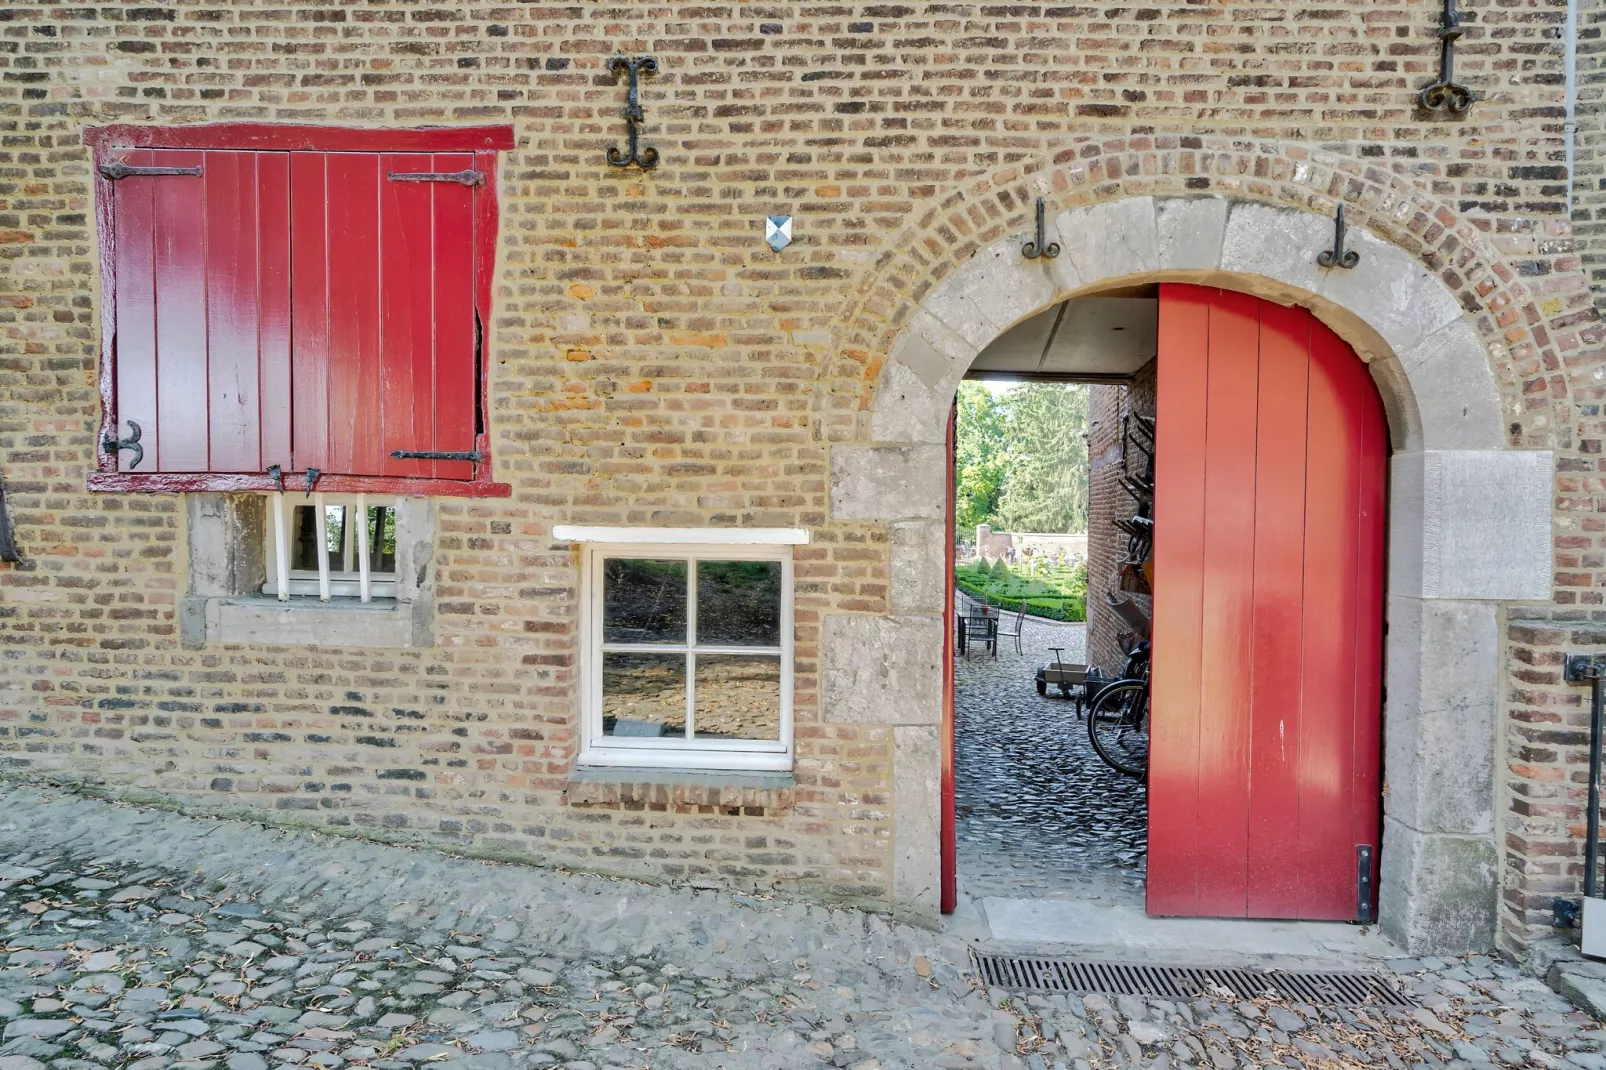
1268 613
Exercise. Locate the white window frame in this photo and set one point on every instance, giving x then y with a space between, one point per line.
327 582
723 755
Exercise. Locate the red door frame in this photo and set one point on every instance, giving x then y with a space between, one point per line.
949 833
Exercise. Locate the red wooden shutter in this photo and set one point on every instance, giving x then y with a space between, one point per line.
202 292
385 337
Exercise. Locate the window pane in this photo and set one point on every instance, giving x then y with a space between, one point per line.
381 539
738 697
739 603
643 601
643 695
335 530
304 536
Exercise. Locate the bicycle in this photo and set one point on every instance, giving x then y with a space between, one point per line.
1118 718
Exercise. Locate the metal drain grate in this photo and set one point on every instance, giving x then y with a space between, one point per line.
1185 982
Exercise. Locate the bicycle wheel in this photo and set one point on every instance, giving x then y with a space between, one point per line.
1118 726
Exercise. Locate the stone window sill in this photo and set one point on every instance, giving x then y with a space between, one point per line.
753 794
386 625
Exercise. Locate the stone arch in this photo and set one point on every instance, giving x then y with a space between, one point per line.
1469 519
1532 322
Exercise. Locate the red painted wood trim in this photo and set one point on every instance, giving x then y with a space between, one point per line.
106 461
1175 674
288 137
295 482
948 835
487 206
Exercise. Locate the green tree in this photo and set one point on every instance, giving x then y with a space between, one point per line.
1045 488
979 458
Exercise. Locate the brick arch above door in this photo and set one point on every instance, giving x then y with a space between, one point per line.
1469 521
1527 299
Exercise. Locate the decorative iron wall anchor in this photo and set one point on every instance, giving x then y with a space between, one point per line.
8 542
115 445
645 158
1338 256
1034 249
1447 97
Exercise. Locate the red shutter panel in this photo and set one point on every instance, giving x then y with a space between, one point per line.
384 313
202 310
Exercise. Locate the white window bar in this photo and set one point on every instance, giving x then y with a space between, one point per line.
281 545
322 517
359 532
345 566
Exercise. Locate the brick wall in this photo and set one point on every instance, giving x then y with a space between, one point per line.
1108 502
1589 159
654 363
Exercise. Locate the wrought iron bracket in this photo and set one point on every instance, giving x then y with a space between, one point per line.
438 455
117 169
312 479
1040 246
1447 97
1591 669
8 540
1338 256
466 177
1583 668
644 157
117 445
276 473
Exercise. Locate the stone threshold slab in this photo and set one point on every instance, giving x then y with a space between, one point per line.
1122 931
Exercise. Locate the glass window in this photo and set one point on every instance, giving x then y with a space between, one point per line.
691 658
316 548
644 601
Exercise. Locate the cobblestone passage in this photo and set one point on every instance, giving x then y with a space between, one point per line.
1039 815
139 938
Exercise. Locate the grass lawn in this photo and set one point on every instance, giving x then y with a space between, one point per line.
1058 592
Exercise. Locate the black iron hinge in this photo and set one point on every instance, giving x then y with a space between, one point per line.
118 169
438 455
466 177
117 445
1363 882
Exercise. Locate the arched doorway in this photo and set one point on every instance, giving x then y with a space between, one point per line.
1469 519
1258 574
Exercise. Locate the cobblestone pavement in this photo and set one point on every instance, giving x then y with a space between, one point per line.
1039 815
139 938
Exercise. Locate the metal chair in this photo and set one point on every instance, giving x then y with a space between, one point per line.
1014 633
980 626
